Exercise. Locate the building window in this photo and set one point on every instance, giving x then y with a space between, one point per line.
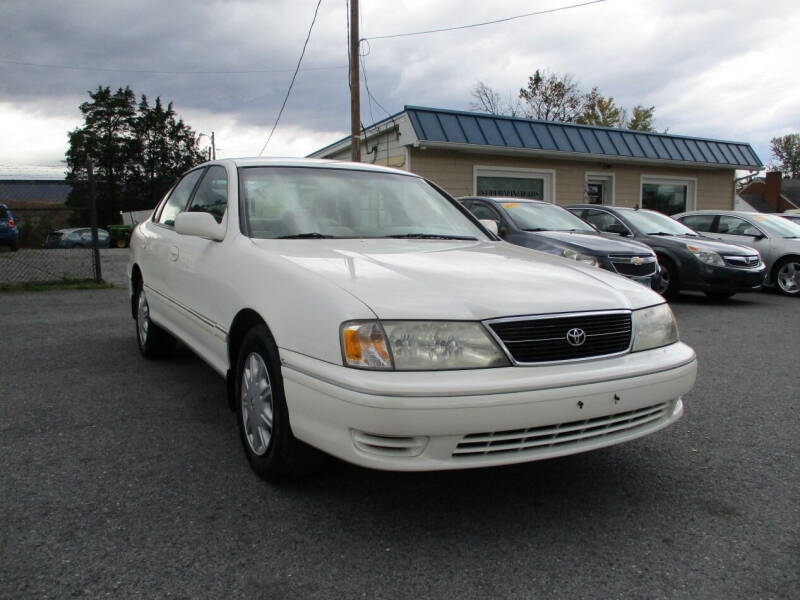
514 183
599 189
669 196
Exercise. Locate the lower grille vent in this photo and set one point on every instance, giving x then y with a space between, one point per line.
530 440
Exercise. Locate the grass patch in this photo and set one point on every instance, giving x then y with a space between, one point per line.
65 284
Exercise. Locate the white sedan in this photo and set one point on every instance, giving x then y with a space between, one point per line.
363 312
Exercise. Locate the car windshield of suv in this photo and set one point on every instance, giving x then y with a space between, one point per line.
777 226
650 222
532 216
302 202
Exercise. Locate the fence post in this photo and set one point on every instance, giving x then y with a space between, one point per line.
98 275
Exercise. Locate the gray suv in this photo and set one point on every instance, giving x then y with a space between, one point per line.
777 239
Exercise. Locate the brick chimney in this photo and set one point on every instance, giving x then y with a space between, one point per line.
772 189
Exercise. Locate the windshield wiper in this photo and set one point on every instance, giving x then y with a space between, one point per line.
305 236
431 236
660 233
536 229
574 230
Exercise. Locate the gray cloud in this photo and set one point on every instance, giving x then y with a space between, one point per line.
668 54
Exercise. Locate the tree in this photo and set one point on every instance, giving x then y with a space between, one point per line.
786 151
137 150
489 101
602 112
553 97
641 118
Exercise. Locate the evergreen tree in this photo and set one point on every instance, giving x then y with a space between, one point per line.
138 152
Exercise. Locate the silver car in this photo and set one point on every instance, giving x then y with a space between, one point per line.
777 239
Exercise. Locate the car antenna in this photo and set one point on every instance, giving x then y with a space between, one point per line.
636 207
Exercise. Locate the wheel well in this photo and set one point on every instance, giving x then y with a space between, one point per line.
136 279
774 272
665 258
244 321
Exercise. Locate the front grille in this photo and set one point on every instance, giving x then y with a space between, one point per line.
542 340
626 265
744 262
539 439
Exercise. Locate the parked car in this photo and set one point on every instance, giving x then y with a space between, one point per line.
777 239
793 217
359 310
688 260
550 228
78 237
9 232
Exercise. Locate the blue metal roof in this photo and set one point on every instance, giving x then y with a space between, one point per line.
436 125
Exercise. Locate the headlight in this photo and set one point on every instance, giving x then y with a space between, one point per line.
581 258
419 345
654 327
706 255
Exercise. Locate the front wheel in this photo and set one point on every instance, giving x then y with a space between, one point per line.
263 418
154 342
787 276
667 283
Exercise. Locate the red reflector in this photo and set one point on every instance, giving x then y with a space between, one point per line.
11 222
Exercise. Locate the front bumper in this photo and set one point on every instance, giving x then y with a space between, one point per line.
708 278
418 421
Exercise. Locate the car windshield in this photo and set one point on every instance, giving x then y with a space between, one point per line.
650 222
533 216
777 226
313 203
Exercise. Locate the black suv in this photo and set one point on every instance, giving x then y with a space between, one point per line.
550 228
689 261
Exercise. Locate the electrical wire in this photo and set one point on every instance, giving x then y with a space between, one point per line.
157 72
291 84
539 12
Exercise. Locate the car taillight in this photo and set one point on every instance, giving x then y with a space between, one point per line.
11 222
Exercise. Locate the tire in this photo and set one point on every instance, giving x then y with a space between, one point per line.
263 418
121 243
786 276
668 284
719 295
154 342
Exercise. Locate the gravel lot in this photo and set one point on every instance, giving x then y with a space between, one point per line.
124 478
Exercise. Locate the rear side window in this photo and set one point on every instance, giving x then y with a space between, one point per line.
212 194
179 197
698 222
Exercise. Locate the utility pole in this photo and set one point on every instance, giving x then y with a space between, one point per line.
355 92
213 148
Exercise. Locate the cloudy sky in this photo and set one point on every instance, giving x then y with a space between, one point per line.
718 68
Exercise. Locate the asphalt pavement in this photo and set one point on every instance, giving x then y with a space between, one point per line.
124 478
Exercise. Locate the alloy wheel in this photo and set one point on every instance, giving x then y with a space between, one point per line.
789 277
257 406
142 318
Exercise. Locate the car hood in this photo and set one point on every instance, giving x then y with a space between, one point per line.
711 243
433 279
594 243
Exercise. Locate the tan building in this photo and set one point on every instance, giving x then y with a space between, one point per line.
487 155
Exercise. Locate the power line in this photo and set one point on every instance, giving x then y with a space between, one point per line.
159 72
539 12
291 84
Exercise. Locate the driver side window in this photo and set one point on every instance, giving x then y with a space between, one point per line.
604 221
179 197
212 194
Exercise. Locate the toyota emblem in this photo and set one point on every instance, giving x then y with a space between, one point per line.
576 337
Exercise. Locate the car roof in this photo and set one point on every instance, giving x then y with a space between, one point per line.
306 162
502 199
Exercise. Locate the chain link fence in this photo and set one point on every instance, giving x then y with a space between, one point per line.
41 240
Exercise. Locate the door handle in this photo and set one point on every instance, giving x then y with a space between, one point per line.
174 253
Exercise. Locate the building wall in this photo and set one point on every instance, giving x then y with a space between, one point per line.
382 149
454 172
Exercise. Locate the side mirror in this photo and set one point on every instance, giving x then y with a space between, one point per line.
199 224
618 229
753 232
491 225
